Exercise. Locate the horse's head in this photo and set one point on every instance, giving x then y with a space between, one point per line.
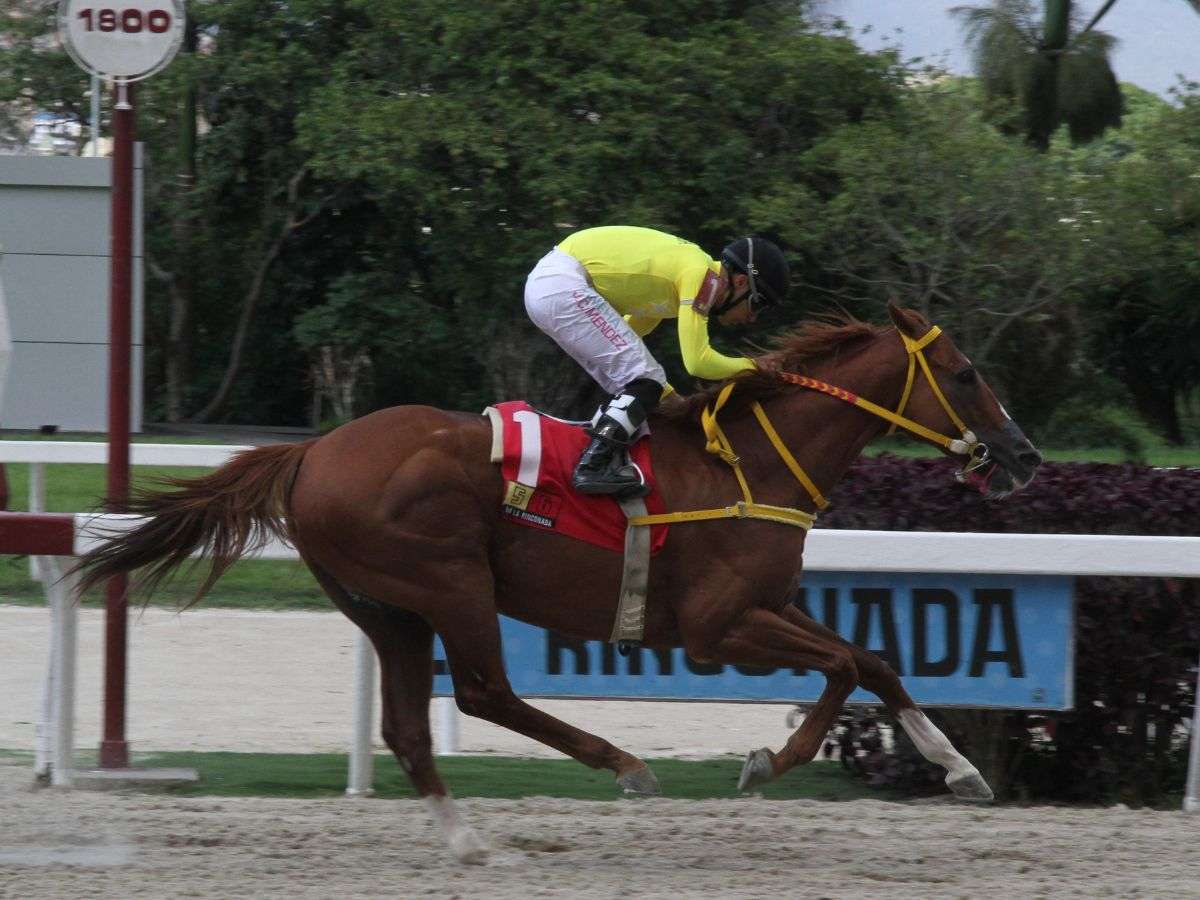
999 459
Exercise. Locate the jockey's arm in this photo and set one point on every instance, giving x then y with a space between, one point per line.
642 325
699 358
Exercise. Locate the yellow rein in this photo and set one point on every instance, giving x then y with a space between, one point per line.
719 445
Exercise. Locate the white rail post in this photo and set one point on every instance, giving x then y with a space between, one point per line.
37 503
361 762
43 730
1191 795
65 640
446 734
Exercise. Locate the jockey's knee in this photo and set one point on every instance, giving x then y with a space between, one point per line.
647 391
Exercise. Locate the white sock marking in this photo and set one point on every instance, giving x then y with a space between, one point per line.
464 843
934 745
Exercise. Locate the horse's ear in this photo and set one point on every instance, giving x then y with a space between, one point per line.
905 320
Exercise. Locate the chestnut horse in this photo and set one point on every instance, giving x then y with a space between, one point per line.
397 514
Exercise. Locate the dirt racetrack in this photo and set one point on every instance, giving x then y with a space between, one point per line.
65 845
209 680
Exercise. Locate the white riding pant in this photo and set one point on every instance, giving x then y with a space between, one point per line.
562 303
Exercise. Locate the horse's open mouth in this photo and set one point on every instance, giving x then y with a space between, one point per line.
1009 463
996 481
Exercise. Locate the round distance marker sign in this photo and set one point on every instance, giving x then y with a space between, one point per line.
123 39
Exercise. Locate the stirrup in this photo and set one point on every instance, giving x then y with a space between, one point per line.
604 481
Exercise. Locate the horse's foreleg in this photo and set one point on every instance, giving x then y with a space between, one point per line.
877 676
482 689
763 638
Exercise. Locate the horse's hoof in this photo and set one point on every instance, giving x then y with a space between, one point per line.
969 786
756 770
467 848
640 782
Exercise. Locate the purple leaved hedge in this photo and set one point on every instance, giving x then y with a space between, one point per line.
894 494
1137 639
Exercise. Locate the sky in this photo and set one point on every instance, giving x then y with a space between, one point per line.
1158 40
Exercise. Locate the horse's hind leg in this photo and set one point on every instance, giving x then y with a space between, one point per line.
877 676
404 644
482 689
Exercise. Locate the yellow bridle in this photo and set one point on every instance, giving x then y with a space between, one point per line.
719 445
967 445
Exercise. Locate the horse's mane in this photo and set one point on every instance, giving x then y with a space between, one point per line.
813 340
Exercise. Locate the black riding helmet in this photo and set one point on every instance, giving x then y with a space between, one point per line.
764 265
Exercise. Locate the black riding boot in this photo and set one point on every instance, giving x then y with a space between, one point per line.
604 469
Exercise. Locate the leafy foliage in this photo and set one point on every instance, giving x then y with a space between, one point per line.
1048 76
1086 425
301 151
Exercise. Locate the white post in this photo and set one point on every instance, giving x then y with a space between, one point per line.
361 762
1191 795
446 735
43 730
95 115
65 639
37 487
37 503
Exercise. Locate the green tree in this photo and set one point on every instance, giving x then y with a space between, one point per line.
1138 209
937 210
37 75
503 127
1039 76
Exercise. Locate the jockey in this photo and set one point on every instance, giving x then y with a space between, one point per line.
602 289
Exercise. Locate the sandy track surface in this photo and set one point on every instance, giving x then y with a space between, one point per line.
66 845
243 681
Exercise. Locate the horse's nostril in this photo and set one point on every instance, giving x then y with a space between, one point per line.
1030 457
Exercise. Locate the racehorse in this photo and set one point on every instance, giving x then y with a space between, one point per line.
398 516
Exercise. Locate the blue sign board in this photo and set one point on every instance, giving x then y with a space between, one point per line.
955 640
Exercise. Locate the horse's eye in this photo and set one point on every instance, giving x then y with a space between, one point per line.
966 376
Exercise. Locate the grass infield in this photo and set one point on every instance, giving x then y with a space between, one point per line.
308 775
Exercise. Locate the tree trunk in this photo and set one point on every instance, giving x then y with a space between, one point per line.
1158 406
249 304
250 301
1041 103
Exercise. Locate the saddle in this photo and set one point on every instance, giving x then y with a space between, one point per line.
537 454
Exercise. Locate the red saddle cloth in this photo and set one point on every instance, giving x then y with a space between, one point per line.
540 453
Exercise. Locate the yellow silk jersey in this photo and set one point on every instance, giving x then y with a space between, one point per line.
649 276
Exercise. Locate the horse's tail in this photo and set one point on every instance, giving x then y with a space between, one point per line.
231 511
